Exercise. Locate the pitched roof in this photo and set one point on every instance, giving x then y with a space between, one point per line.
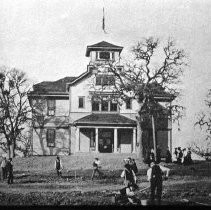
105 44
102 45
158 92
106 119
58 86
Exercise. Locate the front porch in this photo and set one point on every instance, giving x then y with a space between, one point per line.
105 133
99 139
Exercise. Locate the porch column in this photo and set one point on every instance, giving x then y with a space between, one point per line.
96 140
134 140
115 140
77 139
170 140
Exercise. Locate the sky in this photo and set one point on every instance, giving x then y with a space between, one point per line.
47 39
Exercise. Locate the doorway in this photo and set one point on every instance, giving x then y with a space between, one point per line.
106 140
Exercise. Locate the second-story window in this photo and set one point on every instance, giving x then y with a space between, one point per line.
51 107
105 80
129 104
81 102
105 104
113 106
95 105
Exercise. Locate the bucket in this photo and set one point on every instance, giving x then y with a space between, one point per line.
113 199
144 202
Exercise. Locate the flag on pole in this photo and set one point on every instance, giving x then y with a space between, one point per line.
103 24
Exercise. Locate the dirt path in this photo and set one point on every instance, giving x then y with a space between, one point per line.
88 186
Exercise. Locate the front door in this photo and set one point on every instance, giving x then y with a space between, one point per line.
106 139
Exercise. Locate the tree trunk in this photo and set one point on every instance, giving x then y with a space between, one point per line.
9 151
154 139
12 151
139 139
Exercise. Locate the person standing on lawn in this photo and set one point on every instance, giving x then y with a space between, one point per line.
133 166
9 168
175 154
129 176
180 155
168 156
184 156
96 166
58 166
3 168
189 159
154 174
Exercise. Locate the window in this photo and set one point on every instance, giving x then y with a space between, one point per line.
104 55
92 139
81 102
113 106
50 137
105 80
104 104
99 80
51 107
95 105
129 104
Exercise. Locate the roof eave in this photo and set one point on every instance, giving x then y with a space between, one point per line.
105 124
89 48
83 75
164 98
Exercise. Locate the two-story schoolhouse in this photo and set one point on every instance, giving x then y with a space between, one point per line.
75 120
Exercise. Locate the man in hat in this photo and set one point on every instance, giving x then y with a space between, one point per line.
96 166
154 175
58 166
9 168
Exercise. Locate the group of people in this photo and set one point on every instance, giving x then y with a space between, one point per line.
155 175
7 170
151 156
183 156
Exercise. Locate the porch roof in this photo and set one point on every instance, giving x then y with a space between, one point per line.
105 119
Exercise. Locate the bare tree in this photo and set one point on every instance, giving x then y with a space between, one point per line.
14 106
151 76
24 143
204 122
39 119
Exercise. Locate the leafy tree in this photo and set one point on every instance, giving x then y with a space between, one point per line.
151 76
14 107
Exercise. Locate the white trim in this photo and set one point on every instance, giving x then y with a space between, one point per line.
77 143
91 126
134 140
40 95
115 140
96 140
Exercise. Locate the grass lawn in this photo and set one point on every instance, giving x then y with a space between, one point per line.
36 183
